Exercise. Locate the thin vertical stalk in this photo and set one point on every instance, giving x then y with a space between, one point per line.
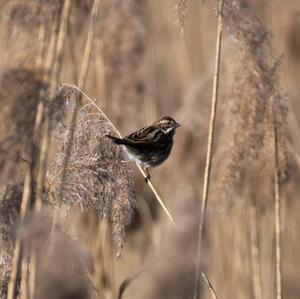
32 273
28 181
12 285
211 130
278 268
28 272
24 276
60 45
52 45
53 83
55 57
100 74
88 45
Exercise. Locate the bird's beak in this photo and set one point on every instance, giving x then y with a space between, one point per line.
177 125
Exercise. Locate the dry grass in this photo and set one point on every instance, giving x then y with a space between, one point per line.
144 59
10 204
20 92
97 176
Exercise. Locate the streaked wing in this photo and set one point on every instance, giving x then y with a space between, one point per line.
141 134
149 137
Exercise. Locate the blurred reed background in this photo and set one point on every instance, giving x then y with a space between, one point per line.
77 220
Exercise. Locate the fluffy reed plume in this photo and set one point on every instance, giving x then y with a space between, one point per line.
10 203
62 268
168 271
97 176
122 33
28 14
180 13
20 92
255 97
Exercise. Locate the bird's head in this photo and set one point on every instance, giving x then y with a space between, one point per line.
167 124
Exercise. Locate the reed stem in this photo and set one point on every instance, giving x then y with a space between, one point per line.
256 271
211 131
277 213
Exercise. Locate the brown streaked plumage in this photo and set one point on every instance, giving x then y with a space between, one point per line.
151 145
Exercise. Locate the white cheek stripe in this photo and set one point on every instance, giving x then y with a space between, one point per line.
169 130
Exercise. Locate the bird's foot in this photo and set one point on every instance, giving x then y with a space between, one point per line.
147 179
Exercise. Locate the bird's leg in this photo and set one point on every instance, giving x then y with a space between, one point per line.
147 179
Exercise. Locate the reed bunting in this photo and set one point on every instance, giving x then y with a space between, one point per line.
151 145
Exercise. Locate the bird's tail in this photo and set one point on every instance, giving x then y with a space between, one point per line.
116 140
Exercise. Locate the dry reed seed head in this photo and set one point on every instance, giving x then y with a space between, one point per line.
251 157
231 10
97 176
122 32
256 93
62 263
249 32
10 204
29 14
59 105
121 213
181 8
20 92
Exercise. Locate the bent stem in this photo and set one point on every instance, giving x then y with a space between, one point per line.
209 145
154 191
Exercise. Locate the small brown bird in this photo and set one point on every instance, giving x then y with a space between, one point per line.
151 145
